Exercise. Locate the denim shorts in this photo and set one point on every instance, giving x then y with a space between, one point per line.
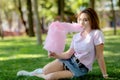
78 69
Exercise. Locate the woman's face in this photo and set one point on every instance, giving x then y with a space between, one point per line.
84 20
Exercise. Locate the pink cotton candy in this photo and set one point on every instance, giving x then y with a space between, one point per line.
56 36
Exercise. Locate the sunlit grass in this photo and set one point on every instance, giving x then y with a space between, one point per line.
20 56
18 53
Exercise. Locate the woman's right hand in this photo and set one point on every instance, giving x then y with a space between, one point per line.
52 54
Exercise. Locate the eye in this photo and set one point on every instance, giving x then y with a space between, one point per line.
85 19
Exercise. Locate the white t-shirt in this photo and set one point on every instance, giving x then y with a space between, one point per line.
85 47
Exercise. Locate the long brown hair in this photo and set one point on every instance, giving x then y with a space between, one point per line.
94 20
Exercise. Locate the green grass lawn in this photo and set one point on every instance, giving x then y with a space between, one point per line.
18 53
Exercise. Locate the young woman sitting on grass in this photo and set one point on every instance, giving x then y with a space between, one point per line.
86 46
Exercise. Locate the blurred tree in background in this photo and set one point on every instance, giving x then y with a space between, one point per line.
18 17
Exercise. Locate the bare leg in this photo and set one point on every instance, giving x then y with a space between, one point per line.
56 75
54 71
54 66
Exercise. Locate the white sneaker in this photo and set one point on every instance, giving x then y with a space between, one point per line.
24 73
38 71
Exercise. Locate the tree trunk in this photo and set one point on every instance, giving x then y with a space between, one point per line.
61 5
92 4
1 30
119 4
21 16
30 18
37 21
114 19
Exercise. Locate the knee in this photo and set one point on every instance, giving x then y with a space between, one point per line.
45 72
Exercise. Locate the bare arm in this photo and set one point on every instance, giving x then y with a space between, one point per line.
100 58
65 55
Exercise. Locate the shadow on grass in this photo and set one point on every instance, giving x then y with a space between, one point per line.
88 77
9 67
